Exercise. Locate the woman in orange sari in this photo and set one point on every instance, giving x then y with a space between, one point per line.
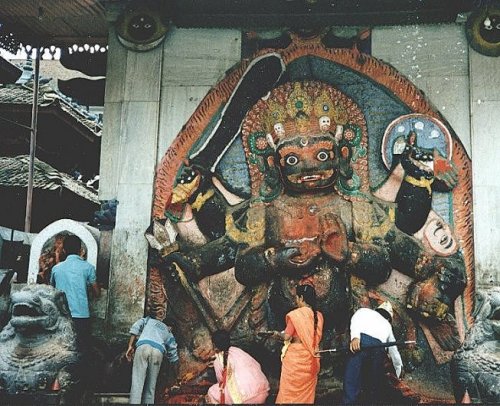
300 368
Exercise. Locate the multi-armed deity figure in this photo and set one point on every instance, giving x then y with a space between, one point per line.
310 218
306 214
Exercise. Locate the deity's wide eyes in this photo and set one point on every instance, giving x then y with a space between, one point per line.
291 160
322 156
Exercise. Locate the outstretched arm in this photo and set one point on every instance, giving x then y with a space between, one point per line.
130 350
260 264
370 262
212 258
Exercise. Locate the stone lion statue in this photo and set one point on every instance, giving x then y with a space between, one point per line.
39 344
5 283
475 367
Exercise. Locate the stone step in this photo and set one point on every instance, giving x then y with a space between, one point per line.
111 398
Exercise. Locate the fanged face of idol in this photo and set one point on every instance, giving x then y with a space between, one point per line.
308 163
439 237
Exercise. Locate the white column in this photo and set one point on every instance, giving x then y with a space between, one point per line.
149 96
485 129
194 60
128 161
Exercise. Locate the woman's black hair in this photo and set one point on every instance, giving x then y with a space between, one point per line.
222 341
308 293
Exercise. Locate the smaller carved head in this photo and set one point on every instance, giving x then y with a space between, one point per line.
279 130
417 161
439 237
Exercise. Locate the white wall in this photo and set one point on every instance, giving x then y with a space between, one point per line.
485 129
435 59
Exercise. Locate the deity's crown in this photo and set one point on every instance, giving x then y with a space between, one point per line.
302 108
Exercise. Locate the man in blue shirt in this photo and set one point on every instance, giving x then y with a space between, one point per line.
73 276
154 341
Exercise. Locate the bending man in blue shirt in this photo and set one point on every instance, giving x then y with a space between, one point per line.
154 341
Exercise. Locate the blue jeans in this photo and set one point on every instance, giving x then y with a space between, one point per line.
372 362
147 363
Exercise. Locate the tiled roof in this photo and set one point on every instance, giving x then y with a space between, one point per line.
23 94
14 172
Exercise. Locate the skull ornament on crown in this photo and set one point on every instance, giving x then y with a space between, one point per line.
304 113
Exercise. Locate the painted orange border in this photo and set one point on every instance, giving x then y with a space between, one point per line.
381 73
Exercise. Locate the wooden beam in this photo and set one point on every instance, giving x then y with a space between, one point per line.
304 14
309 20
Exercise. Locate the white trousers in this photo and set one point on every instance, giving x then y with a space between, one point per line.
147 363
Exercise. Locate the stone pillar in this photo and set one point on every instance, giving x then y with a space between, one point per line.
128 160
485 129
194 60
149 96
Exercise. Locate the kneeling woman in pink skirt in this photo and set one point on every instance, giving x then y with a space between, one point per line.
239 377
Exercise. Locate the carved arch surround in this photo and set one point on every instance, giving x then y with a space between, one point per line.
50 231
380 73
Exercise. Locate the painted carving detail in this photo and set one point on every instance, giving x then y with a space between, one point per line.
310 212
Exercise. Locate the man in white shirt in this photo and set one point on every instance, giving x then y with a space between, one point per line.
369 327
